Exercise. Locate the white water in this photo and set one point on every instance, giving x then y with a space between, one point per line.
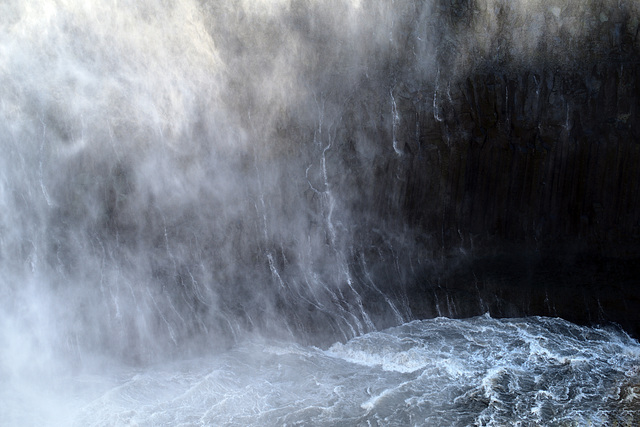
439 372
177 175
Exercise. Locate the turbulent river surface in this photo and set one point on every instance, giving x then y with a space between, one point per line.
438 372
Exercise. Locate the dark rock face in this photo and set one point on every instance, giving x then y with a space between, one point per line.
536 158
534 172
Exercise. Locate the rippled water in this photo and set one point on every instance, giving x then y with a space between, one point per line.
479 371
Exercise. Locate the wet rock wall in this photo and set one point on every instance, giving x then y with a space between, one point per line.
525 175
542 158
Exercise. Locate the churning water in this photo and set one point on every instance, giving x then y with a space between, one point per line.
479 371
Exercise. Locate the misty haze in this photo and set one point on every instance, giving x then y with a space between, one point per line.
304 212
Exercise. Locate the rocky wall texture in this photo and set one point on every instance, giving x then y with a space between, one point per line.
539 157
531 168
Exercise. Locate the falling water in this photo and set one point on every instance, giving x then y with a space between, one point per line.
203 221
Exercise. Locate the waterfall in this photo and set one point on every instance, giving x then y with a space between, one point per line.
179 179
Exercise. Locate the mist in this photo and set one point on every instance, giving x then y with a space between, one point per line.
170 171
177 176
